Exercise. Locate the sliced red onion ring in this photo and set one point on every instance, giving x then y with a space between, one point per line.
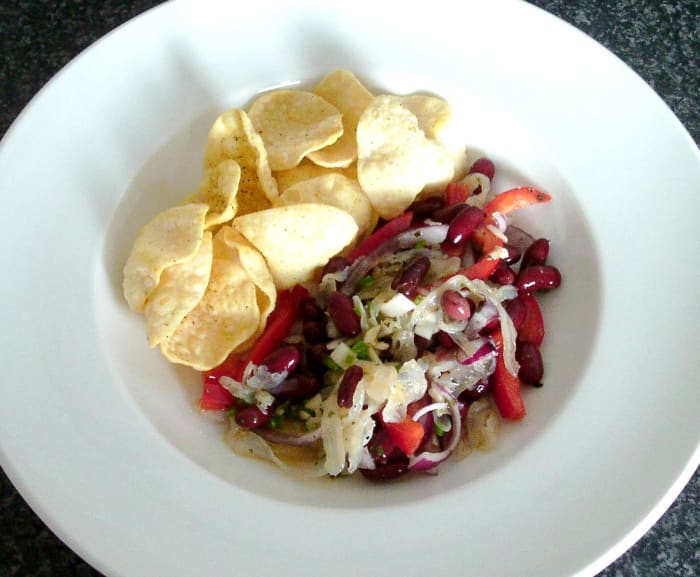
433 234
480 319
482 351
280 438
428 460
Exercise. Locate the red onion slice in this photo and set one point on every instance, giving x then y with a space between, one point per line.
280 438
429 460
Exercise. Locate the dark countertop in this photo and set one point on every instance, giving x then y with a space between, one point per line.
659 39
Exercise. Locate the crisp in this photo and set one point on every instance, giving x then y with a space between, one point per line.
232 137
344 91
293 123
297 240
219 189
336 190
170 238
225 318
306 170
396 160
180 288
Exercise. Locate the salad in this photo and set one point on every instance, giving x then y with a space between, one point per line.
409 350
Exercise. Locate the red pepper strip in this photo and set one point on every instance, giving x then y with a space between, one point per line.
515 198
214 396
481 270
484 239
279 323
506 387
407 434
381 235
505 203
455 193
532 329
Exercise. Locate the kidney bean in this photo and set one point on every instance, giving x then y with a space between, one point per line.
513 254
316 354
503 274
536 253
314 331
478 391
342 311
445 340
382 447
310 310
284 358
251 417
427 206
538 277
297 387
530 359
463 225
387 471
517 311
456 306
421 344
336 264
447 213
348 384
410 277
484 166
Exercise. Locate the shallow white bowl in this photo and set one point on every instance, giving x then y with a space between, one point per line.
100 434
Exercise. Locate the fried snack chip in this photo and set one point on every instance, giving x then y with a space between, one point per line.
306 170
396 160
297 240
225 318
435 119
232 137
335 190
344 91
255 266
293 123
180 288
170 238
433 114
219 189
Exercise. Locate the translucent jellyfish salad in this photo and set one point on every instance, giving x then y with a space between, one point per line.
410 349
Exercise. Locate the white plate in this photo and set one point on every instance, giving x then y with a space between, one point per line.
98 432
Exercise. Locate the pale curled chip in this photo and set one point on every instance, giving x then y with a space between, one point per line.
335 190
433 114
219 189
436 119
170 238
255 266
396 160
306 170
297 240
226 317
344 91
232 137
293 123
180 288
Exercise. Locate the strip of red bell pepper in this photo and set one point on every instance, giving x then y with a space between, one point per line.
407 434
505 387
456 192
381 235
279 324
532 328
515 198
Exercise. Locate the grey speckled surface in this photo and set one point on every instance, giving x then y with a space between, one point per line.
660 40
